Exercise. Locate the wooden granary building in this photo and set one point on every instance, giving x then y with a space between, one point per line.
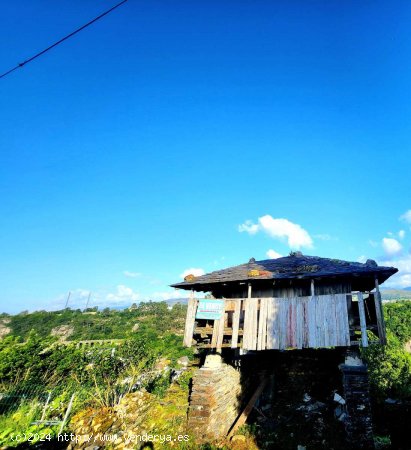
296 301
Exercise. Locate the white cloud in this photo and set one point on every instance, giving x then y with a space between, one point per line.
80 293
391 246
129 274
168 295
402 264
401 234
401 279
406 217
272 254
362 259
249 227
123 294
295 235
373 243
192 271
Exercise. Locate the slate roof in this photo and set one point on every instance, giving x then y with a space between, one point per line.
290 267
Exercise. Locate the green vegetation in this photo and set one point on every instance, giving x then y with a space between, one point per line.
41 354
33 362
398 320
390 365
105 324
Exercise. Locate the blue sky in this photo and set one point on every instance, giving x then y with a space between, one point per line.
142 146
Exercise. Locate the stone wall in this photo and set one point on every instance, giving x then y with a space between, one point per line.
215 399
358 423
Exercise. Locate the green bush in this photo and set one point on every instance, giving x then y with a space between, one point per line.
389 368
398 319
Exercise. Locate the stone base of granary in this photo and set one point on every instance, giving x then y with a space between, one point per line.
215 399
358 423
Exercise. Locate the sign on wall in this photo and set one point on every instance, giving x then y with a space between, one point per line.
210 309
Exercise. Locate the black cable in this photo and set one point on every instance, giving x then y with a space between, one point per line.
62 40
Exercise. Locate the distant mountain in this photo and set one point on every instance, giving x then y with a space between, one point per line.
170 302
173 301
407 288
395 294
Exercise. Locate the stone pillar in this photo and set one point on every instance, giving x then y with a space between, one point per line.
215 399
358 423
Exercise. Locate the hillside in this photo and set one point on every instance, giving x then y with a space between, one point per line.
138 374
396 294
74 325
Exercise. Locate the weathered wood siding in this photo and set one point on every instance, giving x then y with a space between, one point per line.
276 323
300 289
301 322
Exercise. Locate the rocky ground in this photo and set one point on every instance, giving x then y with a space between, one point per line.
4 329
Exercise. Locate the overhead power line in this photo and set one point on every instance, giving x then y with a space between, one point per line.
20 65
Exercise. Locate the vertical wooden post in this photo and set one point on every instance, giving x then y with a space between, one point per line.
379 314
45 407
236 323
190 320
248 321
220 332
312 288
254 326
67 414
363 323
262 325
216 328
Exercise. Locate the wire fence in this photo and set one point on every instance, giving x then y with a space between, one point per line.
40 403
12 398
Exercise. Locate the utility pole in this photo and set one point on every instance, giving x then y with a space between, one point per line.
68 298
88 300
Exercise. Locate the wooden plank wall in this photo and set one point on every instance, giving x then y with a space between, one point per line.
301 322
279 323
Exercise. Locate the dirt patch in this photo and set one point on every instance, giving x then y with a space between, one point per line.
62 332
4 329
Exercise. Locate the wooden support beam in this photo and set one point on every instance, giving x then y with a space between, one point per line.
312 288
209 330
262 325
216 329
246 411
254 326
363 323
220 333
190 319
246 332
236 324
247 335
379 314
